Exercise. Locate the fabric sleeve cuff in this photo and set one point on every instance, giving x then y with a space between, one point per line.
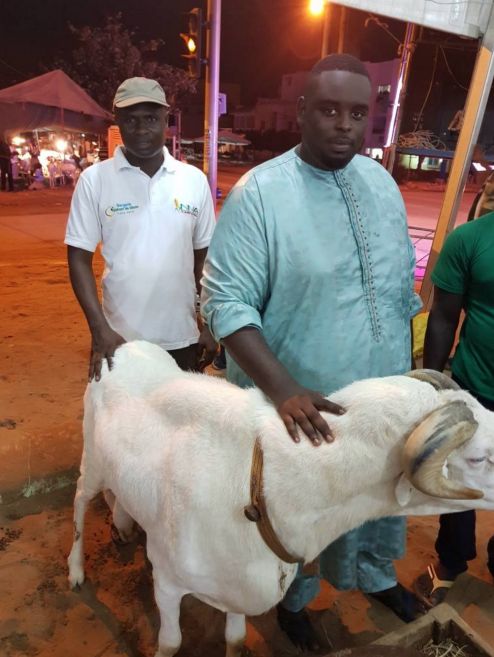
203 244
81 244
228 318
447 287
415 305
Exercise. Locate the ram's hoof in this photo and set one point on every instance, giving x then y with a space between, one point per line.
76 579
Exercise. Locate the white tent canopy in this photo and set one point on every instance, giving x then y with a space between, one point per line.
52 100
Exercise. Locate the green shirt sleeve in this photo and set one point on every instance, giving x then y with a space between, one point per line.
451 270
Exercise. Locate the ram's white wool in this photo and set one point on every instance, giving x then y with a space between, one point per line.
175 450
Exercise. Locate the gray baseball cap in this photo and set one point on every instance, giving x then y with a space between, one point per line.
139 90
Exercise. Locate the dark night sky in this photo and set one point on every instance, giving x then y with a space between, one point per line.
261 39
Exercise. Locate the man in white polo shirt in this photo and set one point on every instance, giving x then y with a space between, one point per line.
154 217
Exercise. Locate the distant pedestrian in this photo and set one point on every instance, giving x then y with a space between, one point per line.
37 180
52 172
6 177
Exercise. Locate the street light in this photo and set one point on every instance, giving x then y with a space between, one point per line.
322 8
316 7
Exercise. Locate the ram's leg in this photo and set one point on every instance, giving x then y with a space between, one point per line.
235 633
83 496
168 599
124 523
109 498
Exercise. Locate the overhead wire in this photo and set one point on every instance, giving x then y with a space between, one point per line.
12 67
375 19
450 71
428 91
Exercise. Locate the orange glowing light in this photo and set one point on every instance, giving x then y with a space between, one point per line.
316 7
191 45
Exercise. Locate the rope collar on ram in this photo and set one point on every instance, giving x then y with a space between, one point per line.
257 512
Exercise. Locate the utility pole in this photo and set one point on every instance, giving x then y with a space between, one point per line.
342 29
326 25
400 94
326 28
212 89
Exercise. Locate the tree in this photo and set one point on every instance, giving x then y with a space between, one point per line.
105 56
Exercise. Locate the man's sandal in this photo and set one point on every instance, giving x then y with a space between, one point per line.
431 590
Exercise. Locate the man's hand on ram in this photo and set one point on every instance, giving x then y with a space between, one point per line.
300 409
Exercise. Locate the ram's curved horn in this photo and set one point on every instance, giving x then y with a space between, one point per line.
429 445
437 379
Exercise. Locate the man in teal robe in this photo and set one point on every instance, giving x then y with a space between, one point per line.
309 283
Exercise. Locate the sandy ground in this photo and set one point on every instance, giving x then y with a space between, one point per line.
44 342
114 612
44 348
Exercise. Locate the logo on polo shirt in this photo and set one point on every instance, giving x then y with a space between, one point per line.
121 208
185 208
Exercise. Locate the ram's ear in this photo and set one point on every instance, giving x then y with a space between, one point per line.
403 491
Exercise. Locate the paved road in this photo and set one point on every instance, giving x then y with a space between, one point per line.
423 207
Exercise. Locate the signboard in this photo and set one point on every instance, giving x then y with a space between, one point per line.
114 139
222 104
465 17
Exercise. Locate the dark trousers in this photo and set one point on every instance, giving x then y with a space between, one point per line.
6 175
455 544
186 358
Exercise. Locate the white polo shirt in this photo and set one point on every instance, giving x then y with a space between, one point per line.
149 229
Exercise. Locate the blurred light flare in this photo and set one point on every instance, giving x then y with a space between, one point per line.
316 7
61 145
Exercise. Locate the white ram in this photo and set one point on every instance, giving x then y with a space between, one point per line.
176 448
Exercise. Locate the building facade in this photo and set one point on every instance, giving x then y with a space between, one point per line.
279 114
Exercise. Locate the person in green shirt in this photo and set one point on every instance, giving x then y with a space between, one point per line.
463 281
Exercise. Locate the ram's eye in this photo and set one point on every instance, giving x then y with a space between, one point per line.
476 461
